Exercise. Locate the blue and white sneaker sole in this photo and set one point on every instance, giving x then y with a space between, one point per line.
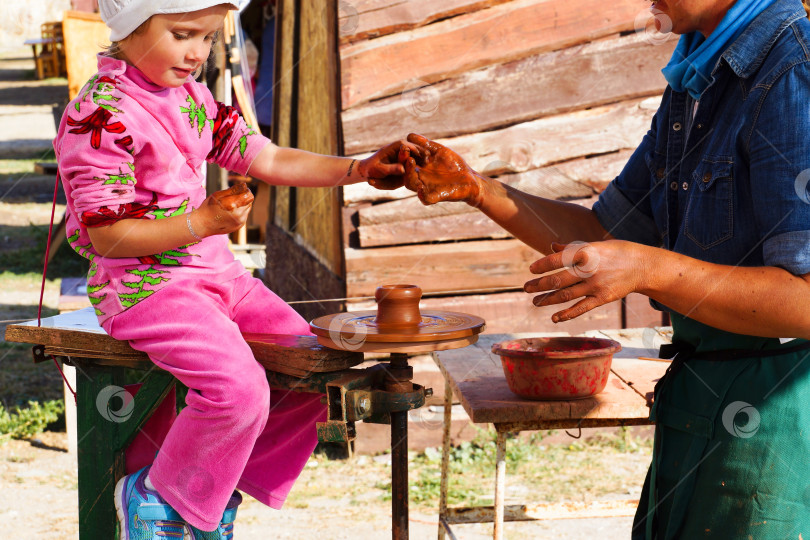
123 528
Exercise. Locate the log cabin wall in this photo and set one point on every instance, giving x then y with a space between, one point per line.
551 96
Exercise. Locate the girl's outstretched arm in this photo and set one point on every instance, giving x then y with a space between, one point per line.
292 167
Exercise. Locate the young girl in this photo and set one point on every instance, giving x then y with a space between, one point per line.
130 149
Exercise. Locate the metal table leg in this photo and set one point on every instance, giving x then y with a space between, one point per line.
448 418
399 475
500 484
399 380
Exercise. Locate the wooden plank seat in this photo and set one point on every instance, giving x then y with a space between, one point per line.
105 366
78 335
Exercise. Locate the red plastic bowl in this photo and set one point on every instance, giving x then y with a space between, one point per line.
556 368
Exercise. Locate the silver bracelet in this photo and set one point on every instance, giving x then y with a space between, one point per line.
190 228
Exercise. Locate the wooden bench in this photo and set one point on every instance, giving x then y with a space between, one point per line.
293 362
476 377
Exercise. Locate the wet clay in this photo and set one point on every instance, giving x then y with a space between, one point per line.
442 176
236 196
398 306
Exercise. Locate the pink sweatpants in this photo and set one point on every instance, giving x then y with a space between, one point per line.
234 431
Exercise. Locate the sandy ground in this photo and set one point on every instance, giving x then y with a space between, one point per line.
38 489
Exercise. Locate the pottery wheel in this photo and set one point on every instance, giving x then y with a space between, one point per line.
397 326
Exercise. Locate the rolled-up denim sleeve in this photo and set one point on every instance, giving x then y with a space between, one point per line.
624 208
780 172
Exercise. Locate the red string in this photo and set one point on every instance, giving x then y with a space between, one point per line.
47 252
62 373
42 287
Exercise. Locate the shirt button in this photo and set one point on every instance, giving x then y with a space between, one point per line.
707 177
660 173
676 126
699 126
673 186
685 186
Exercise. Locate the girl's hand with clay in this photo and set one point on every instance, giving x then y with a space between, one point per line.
384 169
224 211
439 174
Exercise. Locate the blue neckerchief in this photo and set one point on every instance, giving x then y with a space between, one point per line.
691 65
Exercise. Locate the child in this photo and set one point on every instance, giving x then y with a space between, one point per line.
130 148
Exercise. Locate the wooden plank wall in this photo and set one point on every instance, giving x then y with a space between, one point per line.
547 95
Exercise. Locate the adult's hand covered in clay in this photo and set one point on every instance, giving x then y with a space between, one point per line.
438 174
224 211
385 169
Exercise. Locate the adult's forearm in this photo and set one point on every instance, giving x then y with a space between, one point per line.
760 301
537 221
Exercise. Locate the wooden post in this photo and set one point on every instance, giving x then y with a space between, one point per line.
85 35
307 223
100 465
105 429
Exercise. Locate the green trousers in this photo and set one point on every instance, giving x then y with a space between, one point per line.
731 457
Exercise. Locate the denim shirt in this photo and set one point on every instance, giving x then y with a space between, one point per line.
729 186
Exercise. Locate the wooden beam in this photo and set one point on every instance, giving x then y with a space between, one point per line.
467 225
438 229
363 19
581 77
547 141
385 66
486 264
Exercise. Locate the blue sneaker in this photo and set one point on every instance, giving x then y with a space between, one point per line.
143 514
225 529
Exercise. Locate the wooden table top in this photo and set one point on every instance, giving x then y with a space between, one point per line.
78 335
476 376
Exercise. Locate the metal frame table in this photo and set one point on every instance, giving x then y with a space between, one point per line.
476 376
